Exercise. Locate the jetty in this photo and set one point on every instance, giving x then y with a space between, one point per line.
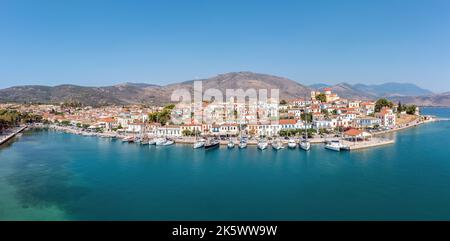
373 142
13 134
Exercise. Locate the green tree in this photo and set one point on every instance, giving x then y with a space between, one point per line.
411 109
283 102
400 107
162 116
186 132
322 97
382 103
306 117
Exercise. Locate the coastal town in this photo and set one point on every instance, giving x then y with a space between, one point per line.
322 117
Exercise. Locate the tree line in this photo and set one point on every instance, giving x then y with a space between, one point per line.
10 118
409 109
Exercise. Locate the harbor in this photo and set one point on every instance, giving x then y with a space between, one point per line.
77 177
376 139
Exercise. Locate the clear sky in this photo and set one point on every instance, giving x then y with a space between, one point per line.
90 42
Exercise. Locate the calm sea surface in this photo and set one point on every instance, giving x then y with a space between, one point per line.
47 175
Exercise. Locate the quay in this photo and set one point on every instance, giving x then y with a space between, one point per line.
374 142
10 136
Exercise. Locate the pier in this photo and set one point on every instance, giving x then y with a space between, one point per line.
10 136
374 142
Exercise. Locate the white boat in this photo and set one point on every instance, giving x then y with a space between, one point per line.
242 144
199 144
305 145
292 144
161 141
230 144
128 139
277 145
333 145
152 141
168 143
262 145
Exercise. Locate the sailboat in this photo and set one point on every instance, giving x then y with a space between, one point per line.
292 144
304 143
199 143
164 141
211 144
242 141
277 144
262 144
230 143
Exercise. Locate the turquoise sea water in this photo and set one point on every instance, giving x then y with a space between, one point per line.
47 175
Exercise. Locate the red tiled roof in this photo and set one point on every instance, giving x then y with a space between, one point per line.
353 132
287 122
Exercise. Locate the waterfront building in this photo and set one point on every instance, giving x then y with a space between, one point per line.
290 124
191 127
387 117
367 108
229 129
106 123
367 122
169 131
135 127
295 113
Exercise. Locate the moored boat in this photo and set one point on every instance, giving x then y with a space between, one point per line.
262 145
230 144
277 145
211 144
128 139
292 144
305 145
161 141
152 141
168 142
242 144
199 144
333 145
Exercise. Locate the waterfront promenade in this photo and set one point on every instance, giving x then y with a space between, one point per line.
377 138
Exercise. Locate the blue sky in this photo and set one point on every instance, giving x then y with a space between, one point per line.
107 42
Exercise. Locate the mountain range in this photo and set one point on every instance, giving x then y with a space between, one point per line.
142 93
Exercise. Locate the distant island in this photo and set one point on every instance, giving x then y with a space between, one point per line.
142 93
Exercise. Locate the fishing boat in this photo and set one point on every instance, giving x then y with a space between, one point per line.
292 144
333 145
262 144
211 144
277 145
